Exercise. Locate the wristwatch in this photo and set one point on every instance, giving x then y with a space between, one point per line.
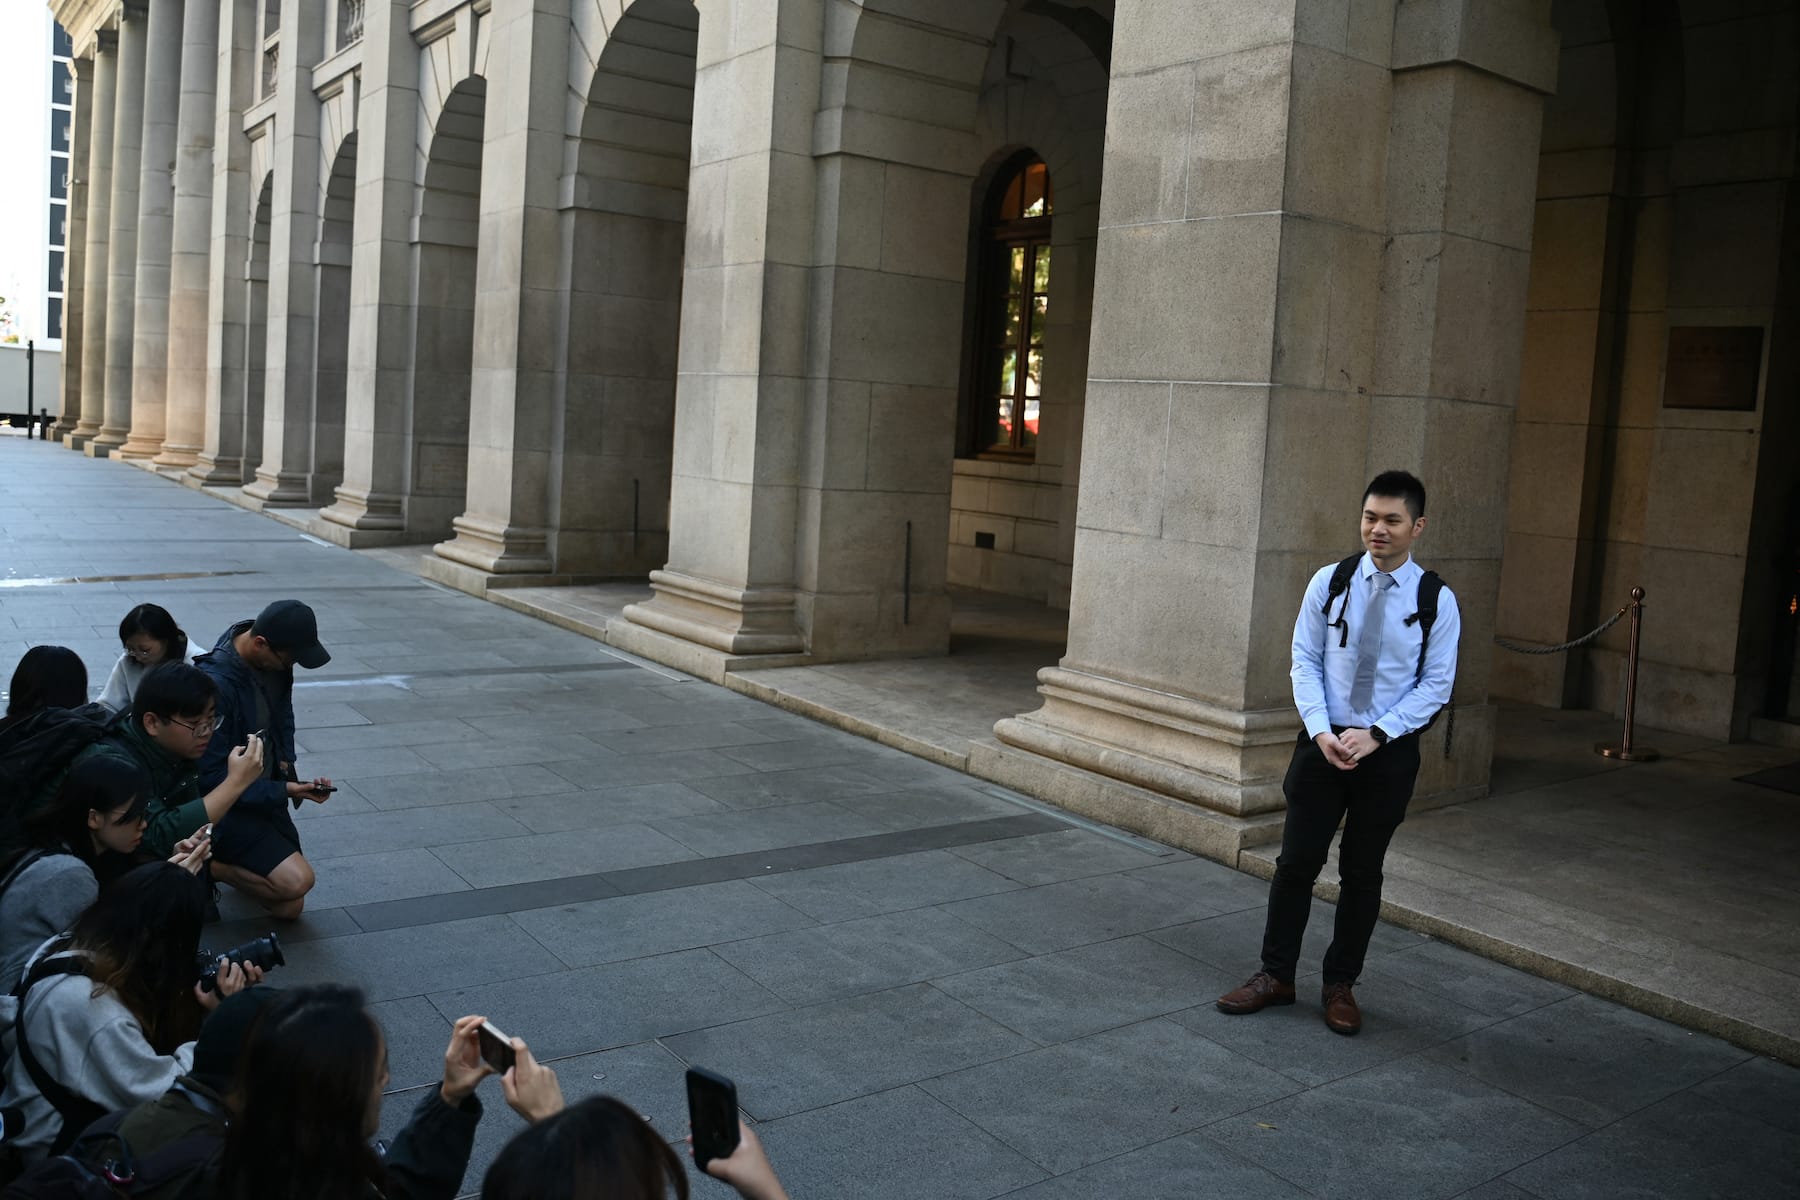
1380 736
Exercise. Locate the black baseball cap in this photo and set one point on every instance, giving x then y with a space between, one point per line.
289 626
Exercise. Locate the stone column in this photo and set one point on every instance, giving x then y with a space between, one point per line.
221 458
1257 355
156 215
191 242
369 502
75 256
122 255
284 475
99 233
740 395
521 295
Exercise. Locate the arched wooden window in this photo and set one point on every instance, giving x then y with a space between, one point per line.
1014 307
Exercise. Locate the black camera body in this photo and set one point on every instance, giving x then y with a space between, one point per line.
264 952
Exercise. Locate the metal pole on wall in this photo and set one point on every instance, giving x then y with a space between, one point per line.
1625 750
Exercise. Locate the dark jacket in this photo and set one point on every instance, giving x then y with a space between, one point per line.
36 752
176 810
237 684
428 1157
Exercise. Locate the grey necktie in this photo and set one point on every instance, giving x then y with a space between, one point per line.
1368 646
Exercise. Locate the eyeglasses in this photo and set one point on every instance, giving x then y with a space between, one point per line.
198 728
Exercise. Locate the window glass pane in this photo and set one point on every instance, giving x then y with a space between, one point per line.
58 224
1018 267
1034 372
59 131
59 177
1003 422
1007 383
62 84
62 47
53 318
1029 434
1040 281
1035 176
1012 319
1011 205
1038 320
55 272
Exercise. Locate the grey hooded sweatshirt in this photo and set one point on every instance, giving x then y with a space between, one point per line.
90 1044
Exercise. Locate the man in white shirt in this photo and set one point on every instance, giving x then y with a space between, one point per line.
1369 676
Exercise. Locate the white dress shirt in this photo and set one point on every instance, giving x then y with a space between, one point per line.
1324 672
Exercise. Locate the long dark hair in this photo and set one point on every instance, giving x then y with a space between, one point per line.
105 783
141 936
47 677
303 1086
154 620
600 1149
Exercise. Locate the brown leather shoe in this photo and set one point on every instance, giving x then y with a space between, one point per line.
1259 992
1341 1013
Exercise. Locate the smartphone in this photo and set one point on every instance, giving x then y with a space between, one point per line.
204 833
713 1113
496 1047
326 788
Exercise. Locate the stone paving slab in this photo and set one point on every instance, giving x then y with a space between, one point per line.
928 987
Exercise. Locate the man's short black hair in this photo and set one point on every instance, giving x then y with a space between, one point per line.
1401 485
174 690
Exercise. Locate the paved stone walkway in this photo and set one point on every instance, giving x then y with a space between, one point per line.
924 986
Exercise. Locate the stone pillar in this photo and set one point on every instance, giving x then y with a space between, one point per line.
521 296
68 408
122 256
369 505
1257 355
99 234
191 242
221 458
285 473
156 215
740 394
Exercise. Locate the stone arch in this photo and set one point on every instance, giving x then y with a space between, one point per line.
249 406
627 206
331 346
446 232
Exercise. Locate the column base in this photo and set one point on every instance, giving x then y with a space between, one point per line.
94 448
728 619
211 470
136 447
1223 759
279 489
178 456
497 547
356 508
61 430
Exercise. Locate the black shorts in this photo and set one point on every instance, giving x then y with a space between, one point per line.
256 840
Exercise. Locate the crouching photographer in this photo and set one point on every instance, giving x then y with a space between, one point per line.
105 1015
308 1104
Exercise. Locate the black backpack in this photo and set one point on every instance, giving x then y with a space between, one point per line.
36 748
100 1165
1430 585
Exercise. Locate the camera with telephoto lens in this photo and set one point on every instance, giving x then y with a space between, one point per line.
264 952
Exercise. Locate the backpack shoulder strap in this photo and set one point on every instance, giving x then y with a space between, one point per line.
1340 586
77 1111
18 868
1430 585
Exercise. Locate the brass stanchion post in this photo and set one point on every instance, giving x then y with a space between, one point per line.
1625 751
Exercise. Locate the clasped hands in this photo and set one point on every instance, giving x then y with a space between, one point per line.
1345 750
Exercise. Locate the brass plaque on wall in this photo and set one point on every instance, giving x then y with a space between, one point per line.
1713 366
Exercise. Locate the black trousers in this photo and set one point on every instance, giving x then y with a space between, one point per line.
1371 800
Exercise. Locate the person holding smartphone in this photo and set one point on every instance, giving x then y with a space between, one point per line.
256 849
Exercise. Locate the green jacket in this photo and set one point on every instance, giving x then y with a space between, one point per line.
176 810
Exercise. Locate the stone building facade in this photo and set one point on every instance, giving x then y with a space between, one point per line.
809 311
